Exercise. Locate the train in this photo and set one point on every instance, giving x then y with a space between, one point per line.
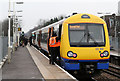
84 42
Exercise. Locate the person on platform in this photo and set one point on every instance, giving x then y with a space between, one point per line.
22 40
26 41
54 45
30 40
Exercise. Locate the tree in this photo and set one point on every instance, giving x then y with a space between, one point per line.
0 28
42 23
5 27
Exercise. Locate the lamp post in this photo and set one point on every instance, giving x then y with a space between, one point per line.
14 28
15 25
17 22
9 48
114 17
18 32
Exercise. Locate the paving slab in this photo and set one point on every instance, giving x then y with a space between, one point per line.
22 66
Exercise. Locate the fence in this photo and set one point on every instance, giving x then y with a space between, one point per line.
3 47
114 43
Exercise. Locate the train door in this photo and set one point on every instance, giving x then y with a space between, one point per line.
34 37
58 30
52 30
49 35
39 38
49 32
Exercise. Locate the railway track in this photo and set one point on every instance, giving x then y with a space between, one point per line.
114 71
118 68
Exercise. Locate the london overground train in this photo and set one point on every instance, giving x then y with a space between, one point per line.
84 42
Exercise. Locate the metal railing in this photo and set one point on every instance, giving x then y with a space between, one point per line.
114 43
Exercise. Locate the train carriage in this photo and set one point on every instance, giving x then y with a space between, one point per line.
84 42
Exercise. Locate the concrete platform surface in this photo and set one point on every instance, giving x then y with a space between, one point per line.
22 66
114 53
47 70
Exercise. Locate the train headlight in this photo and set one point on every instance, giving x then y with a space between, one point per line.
71 54
104 54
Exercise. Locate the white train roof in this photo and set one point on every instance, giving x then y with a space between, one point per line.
51 25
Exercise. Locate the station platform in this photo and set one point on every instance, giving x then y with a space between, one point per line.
21 66
30 64
114 53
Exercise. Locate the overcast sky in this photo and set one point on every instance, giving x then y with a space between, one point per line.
33 10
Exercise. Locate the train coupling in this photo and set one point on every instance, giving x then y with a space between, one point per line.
90 69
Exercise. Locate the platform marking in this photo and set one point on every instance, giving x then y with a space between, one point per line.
41 53
57 65
46 74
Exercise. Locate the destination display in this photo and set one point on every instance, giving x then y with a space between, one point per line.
77 27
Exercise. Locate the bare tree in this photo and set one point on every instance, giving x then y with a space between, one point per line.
5 27
0 28
42 23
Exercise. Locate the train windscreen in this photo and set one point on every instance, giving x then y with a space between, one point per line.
86 35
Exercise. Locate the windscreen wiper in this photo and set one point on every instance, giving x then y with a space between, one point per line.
83 37
89 36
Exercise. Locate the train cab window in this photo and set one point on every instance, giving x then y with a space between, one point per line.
86 34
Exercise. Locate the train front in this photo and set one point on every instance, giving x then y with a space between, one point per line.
84 44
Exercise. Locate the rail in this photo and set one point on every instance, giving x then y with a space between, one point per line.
114 71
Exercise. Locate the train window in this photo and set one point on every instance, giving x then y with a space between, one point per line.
49 31
44 37
56 29
34 37
86 34
38 37
60 30
96 31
